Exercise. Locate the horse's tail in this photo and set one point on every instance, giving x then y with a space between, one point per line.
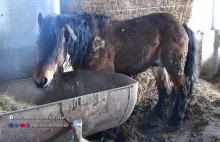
190 65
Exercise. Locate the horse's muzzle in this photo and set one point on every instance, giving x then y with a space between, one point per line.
40 85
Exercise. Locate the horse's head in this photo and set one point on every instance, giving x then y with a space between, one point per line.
51 52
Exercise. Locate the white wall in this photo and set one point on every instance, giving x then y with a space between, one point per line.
201 15
18 33
202 19
216 14
18 23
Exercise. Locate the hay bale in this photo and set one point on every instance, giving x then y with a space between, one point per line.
8 103
127 9
147 87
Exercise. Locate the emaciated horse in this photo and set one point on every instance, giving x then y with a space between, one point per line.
95 42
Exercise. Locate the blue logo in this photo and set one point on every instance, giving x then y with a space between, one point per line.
11 125
16 125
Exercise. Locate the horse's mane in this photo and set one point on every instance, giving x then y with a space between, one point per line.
49 37
83 25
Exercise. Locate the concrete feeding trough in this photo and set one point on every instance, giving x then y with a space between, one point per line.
102 100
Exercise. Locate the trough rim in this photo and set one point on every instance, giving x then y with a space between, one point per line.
135 83
56 76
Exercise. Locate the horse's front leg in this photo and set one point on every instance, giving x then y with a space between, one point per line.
103 60
159 113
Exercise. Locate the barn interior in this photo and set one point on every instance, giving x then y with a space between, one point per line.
19 30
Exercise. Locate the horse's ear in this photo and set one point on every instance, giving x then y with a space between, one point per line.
40 19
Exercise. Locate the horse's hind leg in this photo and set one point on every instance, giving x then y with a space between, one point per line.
181 102
174 58
159 112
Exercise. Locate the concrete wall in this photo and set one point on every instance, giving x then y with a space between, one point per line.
18 33
16 63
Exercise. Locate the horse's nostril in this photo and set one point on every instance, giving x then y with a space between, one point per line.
44 81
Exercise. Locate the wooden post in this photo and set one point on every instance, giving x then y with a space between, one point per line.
216 48
214 76
199 53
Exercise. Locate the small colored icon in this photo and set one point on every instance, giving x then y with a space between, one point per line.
11 125
22 125
28 125
16 125
11 117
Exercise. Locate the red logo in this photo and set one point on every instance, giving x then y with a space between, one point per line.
22 125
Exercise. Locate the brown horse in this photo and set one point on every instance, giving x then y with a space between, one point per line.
95 42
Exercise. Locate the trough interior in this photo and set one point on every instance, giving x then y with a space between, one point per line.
64 86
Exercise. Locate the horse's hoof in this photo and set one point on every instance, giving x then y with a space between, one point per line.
154 121
173 125
105 140
170 128
174 122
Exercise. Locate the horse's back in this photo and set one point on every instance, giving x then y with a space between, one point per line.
151 27
155 18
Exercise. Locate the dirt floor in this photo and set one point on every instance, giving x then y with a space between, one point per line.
202 120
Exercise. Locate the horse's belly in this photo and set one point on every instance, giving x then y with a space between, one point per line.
135 48
134 61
